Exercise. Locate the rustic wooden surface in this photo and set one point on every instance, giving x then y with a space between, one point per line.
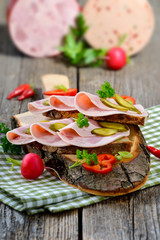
134 216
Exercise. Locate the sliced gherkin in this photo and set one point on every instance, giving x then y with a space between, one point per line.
120 127
121 101
112 105
46 103
27 131
56 126
104 132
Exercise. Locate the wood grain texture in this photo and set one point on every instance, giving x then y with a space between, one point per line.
15 69
134 216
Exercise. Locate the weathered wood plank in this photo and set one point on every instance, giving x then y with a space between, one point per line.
134 216
15 69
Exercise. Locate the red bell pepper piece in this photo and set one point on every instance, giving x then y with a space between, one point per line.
105 164
17 91
97 168
105 158
61 92
154 151
29 92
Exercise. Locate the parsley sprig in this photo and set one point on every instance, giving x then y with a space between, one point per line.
106 91
84 156
4 128
6 145
82 121
77 51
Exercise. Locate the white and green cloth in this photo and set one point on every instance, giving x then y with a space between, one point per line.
49 193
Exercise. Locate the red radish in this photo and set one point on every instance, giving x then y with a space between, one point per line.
116 58
31 166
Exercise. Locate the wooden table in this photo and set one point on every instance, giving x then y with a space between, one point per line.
134 216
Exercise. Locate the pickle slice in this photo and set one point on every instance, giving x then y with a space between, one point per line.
56 126
104 132
120 127
121 101
27 131
112 105
46 103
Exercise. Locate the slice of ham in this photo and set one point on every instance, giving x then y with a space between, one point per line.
109 20
37 27
62 103
82 137
59 103
19 137
38 107
91 105
44 135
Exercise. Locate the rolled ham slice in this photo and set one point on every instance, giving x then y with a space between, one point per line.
39 107
37 27
110 20
62 103
19 137
82 137
59 103
91 105
44 135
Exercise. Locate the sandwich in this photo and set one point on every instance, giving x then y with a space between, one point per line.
90 142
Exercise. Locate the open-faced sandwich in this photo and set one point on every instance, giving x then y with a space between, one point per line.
90 142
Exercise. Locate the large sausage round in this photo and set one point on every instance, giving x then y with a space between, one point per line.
37 27
109 20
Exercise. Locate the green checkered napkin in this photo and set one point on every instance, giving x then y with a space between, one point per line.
47 192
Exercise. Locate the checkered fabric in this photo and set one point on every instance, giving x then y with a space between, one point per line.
49 193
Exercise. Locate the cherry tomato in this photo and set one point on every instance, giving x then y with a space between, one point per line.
116 58
128 98
32 166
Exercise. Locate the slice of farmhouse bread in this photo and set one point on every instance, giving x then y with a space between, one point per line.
26 118
121 118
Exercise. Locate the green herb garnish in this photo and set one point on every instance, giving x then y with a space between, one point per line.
123 154
82 121
122 39
6 145
107 91
84 157
77 51
62 87
9 147
4 128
